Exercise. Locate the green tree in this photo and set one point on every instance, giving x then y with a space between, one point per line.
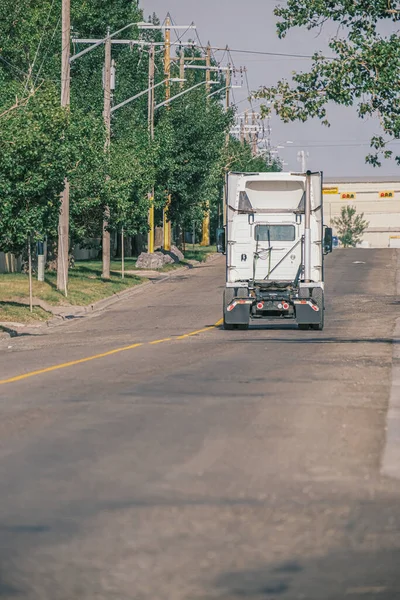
363 70
188 157
30 42
350 226
239 157
36 155
197 130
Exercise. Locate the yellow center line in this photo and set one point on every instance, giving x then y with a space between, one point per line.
80 361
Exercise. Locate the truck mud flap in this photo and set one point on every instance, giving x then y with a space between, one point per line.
307 312
238 312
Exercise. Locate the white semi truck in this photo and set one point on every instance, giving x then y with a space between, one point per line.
274 240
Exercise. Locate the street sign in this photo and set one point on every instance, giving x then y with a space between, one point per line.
348 196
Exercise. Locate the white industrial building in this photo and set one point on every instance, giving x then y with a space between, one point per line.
377 197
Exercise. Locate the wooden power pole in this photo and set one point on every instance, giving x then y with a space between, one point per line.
107 122
208 65
167 70
228 87
254 134
150 237
205 239
63 221
182 68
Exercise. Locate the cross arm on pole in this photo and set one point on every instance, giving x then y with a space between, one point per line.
139 25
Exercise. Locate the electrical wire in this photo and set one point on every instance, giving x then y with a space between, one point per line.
179 36
265 53
47 51
223 56
17 69
40 41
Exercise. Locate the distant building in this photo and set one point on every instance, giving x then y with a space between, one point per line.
377 197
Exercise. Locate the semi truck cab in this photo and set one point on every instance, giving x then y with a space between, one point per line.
275 241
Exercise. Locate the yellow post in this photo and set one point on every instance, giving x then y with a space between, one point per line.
205 240
167 227
150 237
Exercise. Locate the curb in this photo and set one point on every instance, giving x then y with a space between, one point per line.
62 317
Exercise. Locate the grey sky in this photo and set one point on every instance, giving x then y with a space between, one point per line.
250 25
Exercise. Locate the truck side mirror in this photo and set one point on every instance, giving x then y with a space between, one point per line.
221 240
328 240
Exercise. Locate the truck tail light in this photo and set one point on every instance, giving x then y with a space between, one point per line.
285 306
260 305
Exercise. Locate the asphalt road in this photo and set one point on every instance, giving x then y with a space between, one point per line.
225 465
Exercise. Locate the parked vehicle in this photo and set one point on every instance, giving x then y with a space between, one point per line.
275 241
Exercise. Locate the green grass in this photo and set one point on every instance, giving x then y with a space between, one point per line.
12 312
85 286
198 252
115 265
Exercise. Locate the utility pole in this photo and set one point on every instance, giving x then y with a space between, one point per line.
205 239
107 122
208 65
255 135
182 68
246 125
228 86
150 238
302 158
63 220
227 106
167 71
167 58
241 130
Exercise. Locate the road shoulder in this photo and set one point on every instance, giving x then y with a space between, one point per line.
391 455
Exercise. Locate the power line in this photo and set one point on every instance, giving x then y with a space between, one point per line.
6 62
47 51
41 40
265 53
179 37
